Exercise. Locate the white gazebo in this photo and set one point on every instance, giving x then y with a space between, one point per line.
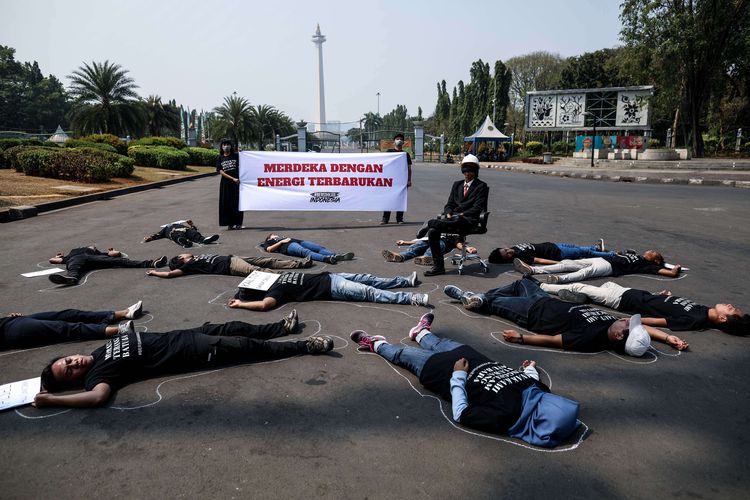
59 136
487 132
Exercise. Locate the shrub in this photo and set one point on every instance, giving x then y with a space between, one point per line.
562 147
9 155
84 164
455 149
654 143
80 143
159 156
710 144
202 156
534 147
172 142
120 146
9 143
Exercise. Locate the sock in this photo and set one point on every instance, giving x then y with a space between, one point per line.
378 343
420 335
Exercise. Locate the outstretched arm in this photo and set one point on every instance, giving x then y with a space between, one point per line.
654 322
88 399
266 304
671 273
667 338
514 337
165 274
539 260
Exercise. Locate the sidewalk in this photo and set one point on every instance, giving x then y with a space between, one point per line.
698 172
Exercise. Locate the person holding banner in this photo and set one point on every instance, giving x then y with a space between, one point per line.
228 166
299 287
484 394
398 147
136 356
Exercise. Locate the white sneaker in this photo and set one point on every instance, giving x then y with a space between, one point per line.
420 299
413 279
135 310
127 327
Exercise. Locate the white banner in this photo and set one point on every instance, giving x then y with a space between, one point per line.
321 181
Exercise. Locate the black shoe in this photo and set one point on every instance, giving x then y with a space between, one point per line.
344 256
305 263
329 259
61 279
435 271
291 322
211 238
399 222
160 262
184 242
571 296
383 222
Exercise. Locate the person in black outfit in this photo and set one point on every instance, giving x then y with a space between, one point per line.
228 166
563 325
18 331
182 232
79 261
659 309
398 147
467 200
230 265
484 394
136 356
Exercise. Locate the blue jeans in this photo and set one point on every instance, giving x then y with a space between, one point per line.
513 301
53 327
305 248
369 288
572 252
413 358
420 248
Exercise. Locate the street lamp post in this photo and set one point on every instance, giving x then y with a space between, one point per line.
378 94
593 138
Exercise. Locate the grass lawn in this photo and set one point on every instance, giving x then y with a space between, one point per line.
17 188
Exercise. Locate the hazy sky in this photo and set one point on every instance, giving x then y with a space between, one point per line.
197 52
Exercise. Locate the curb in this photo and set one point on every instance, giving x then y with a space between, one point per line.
23 212
693 181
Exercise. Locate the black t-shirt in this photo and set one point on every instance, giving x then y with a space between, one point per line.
229 164
207 264
528 251
631 264
273 241
583 328
293 287
494 391
135 356
681 313
408 156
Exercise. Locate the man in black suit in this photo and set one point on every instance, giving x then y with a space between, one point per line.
467 199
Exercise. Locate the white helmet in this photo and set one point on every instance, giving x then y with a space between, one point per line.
470 159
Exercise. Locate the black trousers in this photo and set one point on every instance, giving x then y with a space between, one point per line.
454 225
79 265
53 327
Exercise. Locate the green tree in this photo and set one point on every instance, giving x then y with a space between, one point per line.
690 46
534 71
234 119
398 119
105 100
371 124
602 68
501 80
269 121
161 119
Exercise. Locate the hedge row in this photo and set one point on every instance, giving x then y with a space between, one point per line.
121 147
10 143
83 165
172 142
202 157
159 156
80 143
8 157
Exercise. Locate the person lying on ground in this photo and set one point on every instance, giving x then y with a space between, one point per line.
18 331
233 265
131 357
659 309
182 232
560 324
299 287
275 243
651 262
484 394
547 252
81 260
419 250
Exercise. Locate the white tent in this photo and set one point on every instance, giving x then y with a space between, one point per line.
487 132
59 136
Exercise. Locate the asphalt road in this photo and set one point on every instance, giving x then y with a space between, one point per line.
347 425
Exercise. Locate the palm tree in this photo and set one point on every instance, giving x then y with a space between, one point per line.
234 119
372 123
105 100
161 118
270 121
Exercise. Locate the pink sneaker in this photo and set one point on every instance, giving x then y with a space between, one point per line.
425 323
364 340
